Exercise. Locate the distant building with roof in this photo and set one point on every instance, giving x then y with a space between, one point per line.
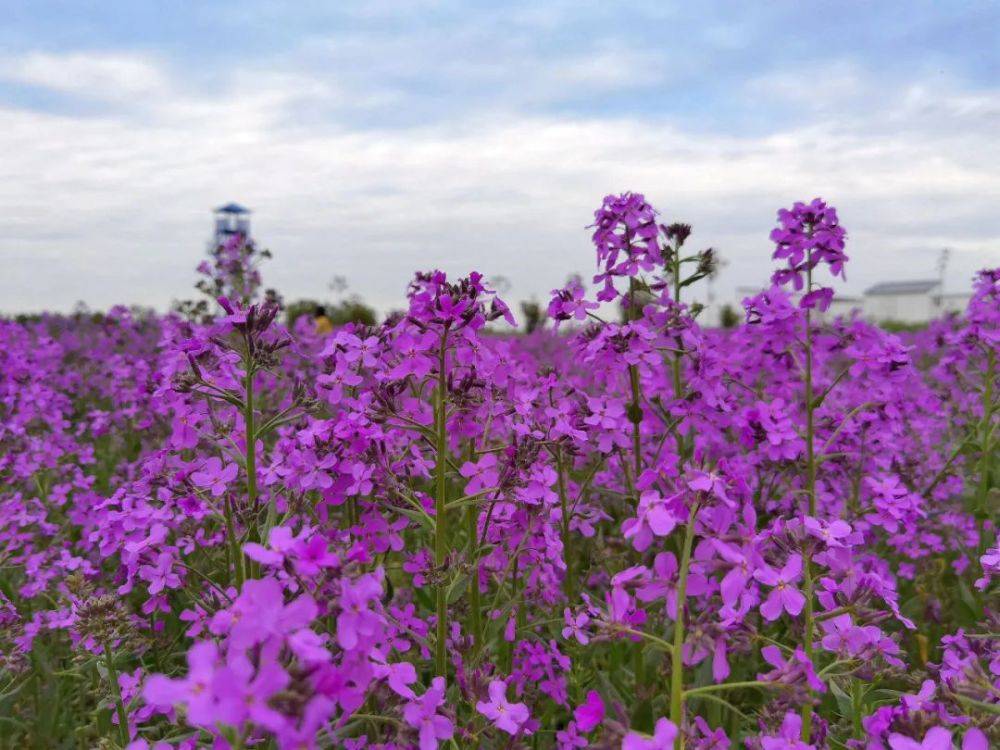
918 301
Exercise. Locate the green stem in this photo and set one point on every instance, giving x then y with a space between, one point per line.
665 645
475 607
234 544
635 417
119 703
440 511
676 364
807 712
643 715
947 464
831 613
635 408
987 450
564 507
727 686
376 718
677 653
251 439
857 707
853 503
810 427
251 467
515 586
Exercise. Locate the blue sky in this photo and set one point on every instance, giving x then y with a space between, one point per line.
372 139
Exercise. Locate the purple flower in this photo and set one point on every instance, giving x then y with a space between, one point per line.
922 700
421 714
625 226
160 575
575 626
710 483
974 739
481 475
334 382
788 737
214 476
142 744
510 717
832 533
569 738
570 303
280 540
991 566
415 355
185 433
842 635
590 713
809 234
357 621
653 519
797 670
820 299
399 676
193 692
710 739
784 596
665 733
259 614
246 695
734 583
937 738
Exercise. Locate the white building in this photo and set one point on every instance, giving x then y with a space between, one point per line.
896 301
911 302
842 307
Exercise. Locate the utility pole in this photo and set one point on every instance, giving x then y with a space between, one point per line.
942 265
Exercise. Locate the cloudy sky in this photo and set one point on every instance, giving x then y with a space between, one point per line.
373 139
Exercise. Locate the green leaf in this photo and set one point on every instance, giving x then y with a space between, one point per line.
457 588
844 703
469 499
692 279
969 600
989 708
421 518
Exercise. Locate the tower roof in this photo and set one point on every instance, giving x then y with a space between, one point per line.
231 208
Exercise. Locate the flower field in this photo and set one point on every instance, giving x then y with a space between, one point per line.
621 530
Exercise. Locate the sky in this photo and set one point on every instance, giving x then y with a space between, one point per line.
375 139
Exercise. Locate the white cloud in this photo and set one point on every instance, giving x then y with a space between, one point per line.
815 88
114 208
99 76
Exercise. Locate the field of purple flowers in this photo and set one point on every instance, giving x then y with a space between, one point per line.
624 532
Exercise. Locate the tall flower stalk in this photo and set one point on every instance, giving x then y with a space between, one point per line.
810 437
120 710
250 462
986 428
440 505
567 540
808 235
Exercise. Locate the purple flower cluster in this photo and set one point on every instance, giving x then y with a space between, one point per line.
809 235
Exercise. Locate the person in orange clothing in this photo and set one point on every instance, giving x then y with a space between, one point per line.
324 325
